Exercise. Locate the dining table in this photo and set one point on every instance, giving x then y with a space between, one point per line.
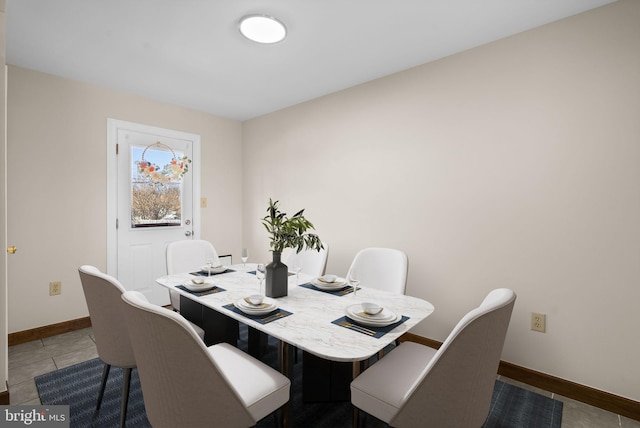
307 318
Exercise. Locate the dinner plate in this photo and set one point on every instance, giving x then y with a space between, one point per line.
338 281
384 318
214 269
264 308
265 304
384 315
372 323
192 286
336 285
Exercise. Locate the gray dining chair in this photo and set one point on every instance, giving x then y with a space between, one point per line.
103 294
415 385
187 384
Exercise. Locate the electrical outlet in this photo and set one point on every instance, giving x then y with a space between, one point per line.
55 288
538 322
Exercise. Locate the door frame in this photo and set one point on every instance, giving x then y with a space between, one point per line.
113 126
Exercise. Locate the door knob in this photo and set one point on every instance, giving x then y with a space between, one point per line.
187 233
12 249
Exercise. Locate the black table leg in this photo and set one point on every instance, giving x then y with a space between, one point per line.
217 327
325 380
286 368
257 342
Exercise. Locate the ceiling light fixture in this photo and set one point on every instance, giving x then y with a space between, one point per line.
262 29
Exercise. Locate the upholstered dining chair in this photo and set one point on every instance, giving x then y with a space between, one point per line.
381 268
188 255
103 294
186 384
415 385
311 262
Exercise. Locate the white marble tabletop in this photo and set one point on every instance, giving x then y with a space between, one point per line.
310 326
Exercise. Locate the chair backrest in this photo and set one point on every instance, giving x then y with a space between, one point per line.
103 294
381 268
181 383
312 262
456 386
189 255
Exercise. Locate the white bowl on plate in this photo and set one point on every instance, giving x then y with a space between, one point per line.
267 306
338 284
328 278
382 319
214 269
255 299
371 308
205 285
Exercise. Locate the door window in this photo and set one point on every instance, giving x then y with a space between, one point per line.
156 185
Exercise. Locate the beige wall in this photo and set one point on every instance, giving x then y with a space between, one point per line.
516 164
57 140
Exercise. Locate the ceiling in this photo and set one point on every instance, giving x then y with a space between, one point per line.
189 52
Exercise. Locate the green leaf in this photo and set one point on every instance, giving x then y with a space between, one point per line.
289 232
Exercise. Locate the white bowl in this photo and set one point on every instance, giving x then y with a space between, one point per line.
214 269
197 280
329 278
203 286
256 299
371 308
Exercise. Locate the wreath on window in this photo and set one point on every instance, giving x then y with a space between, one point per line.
173 171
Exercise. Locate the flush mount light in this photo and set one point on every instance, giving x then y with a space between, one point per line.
262 29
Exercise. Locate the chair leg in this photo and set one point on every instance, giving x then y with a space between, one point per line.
105 375
126 382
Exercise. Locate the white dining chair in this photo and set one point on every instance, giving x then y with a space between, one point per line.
103 294
381 268
188 255
186 384
311 262
415 385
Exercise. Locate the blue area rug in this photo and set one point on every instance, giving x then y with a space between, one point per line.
78 386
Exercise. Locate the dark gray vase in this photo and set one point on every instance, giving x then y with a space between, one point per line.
277 276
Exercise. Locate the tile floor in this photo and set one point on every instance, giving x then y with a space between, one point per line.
31 359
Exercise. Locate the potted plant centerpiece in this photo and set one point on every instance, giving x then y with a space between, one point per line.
285 232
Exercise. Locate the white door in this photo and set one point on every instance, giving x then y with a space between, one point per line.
155 183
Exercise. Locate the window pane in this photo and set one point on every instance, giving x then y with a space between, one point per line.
156 198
